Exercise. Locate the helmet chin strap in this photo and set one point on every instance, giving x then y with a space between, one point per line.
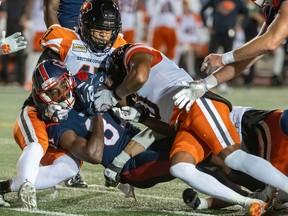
259 3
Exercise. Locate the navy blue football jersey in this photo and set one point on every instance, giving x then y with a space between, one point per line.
116 136
68 13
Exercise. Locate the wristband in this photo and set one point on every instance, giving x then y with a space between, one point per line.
115 94
228 58
211 81
121 159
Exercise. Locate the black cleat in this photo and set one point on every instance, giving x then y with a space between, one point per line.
190 198
77 181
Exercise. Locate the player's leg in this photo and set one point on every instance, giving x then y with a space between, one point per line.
57 167
30 134
147 169
185 153
220 134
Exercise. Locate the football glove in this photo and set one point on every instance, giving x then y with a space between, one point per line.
191 92
56 113
104 100
135 114
11 44
86 92
112 175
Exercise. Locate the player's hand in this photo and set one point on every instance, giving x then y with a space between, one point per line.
56 113
112 175
11 44
135 114
104 100
86 92
191 92
210 61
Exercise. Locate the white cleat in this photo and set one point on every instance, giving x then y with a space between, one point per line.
27 195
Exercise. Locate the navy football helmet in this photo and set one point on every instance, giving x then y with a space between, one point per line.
99 15
53 84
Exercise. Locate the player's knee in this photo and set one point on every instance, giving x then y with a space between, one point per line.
182 170
235 159
284 122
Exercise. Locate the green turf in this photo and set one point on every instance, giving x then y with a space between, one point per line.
163 199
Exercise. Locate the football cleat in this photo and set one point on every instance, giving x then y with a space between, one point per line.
283 207
77 181
27 195
190 198
267 195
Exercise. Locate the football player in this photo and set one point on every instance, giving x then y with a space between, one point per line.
205 128
84 49
82 138
273 32
264 134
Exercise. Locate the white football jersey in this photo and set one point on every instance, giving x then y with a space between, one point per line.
164 12
128 13
163 83
73 51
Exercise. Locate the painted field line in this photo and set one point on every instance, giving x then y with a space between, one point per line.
115 191
7 141
41 212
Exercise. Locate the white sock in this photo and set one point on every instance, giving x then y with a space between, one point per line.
121 159
28 163
203 204
205 183
62 169
258 168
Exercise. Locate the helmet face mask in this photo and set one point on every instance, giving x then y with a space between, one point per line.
53 84
99 15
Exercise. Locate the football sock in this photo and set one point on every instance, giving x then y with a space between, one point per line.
62 169
28 163
258 168
205 183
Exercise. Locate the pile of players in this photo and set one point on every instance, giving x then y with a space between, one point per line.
90 84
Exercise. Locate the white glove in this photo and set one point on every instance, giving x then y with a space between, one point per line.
104 100
112 175
127 113
56 113
191 92
12 44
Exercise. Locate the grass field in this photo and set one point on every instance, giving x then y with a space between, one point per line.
163 199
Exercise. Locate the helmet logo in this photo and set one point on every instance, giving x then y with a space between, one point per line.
87 6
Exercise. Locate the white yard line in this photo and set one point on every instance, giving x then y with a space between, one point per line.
116 191
41 212
7 141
